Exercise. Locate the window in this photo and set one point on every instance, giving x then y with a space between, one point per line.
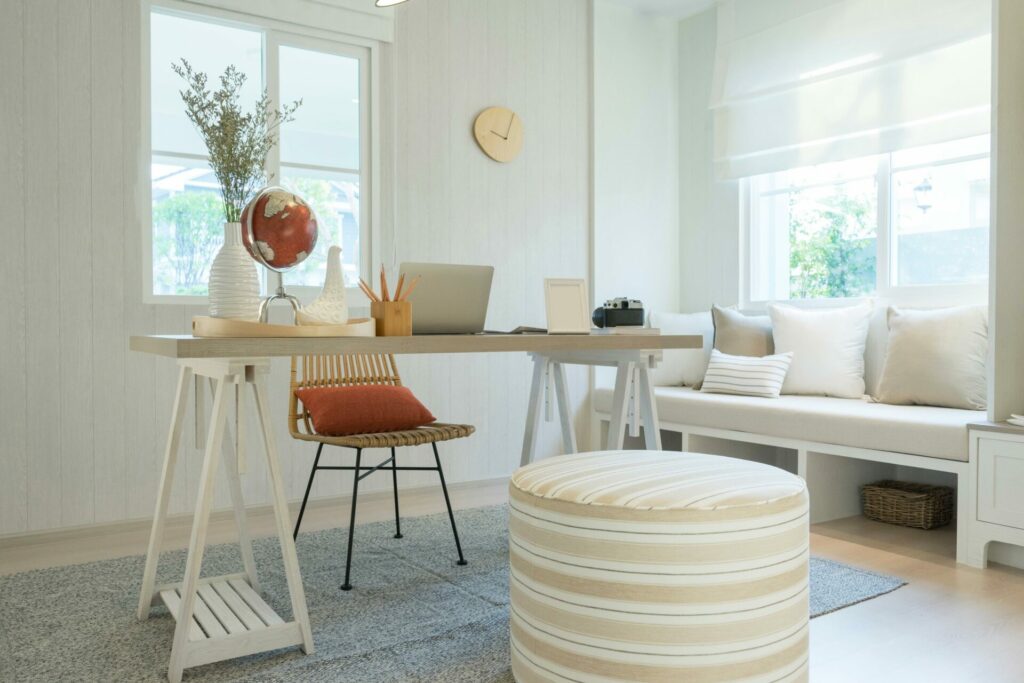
322 154
913 218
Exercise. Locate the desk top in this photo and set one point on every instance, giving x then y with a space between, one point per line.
187 346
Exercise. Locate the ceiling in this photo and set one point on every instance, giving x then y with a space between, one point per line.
678 9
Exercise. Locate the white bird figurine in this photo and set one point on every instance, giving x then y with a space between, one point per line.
330 308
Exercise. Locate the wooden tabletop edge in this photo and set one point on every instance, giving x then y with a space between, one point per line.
187 346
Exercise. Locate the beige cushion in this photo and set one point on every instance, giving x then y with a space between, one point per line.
742 335
827 346
917 430
654 566
936 358
682 366
746 375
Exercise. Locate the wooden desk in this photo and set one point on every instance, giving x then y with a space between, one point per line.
187 346
203 606
631 355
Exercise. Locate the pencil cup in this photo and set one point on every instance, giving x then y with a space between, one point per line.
393 318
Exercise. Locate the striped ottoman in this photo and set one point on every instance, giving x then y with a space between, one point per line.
655 566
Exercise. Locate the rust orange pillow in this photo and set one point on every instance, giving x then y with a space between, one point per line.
341 411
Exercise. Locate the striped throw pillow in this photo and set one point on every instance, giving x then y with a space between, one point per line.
746 375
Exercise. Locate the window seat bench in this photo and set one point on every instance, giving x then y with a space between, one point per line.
835 444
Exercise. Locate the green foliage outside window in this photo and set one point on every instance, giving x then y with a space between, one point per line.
832 246
188 231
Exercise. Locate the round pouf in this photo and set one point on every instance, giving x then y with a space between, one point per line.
657 566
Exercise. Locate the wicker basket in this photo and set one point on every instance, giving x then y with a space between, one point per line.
915 505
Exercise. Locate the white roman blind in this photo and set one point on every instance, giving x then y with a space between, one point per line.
804 82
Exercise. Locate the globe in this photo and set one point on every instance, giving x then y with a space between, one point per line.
279 228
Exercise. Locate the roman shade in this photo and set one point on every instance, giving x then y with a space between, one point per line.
804 82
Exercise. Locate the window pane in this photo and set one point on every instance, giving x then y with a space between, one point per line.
210 48
325 131
816 240
335 199
188 221
940 223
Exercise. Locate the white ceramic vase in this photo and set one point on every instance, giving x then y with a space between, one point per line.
234 282
331 307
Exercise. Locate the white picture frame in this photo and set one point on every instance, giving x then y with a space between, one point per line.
567 305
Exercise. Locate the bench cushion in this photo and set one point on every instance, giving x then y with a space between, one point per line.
917 430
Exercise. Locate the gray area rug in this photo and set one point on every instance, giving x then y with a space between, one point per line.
413 615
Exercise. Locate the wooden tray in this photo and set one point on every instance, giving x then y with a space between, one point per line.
205 326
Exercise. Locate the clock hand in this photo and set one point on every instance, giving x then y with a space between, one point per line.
510 122
503 137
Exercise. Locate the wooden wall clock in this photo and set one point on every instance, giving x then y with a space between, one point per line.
499 132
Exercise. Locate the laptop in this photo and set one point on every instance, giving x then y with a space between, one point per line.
449 299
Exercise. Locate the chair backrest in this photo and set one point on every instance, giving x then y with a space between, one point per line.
335 370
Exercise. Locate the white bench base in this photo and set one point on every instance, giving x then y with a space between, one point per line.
834 474
997 467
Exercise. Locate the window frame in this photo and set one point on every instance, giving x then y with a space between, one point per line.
924 296
275 34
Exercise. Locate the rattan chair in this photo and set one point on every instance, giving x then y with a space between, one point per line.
354 370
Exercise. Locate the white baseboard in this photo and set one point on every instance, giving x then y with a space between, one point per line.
1004 553
184 520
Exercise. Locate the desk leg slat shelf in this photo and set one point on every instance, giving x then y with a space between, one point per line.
224 607
241 609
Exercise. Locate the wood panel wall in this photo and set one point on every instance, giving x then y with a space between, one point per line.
83 421
1006 277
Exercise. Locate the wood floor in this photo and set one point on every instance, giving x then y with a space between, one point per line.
950 623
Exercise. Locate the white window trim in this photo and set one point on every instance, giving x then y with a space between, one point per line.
917 296
275 33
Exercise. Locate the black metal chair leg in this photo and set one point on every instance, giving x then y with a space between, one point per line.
448 502
394 485
309 487
352 520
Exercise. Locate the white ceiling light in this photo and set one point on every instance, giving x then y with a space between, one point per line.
388 3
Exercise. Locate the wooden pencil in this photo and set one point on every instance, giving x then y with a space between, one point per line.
385 295
367 291
398 288
412 286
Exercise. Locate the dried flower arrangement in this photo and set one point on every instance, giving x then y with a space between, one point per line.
238 142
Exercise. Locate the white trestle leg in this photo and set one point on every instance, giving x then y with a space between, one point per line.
232 457
223 617
633 388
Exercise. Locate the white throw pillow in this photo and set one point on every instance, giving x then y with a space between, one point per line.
683 366
936 358
827 347
746 375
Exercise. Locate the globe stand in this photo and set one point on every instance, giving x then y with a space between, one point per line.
286 221
280 294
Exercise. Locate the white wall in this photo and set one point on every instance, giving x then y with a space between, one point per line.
529 218
636 160
83 421
708 208
1006 277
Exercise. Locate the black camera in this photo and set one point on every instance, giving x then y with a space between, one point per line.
620 312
